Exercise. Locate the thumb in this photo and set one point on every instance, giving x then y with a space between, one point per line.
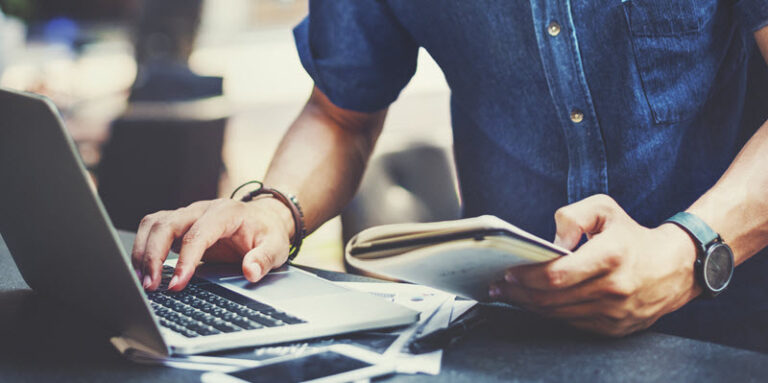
263 258
583 217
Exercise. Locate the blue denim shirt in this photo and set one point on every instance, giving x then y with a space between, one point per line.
556 100
552 101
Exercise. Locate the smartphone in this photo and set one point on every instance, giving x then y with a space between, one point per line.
337 363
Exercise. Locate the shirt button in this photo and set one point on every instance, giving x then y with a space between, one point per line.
577 116
553 29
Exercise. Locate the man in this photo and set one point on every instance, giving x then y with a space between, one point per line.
556 105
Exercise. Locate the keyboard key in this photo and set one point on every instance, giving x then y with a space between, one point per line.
189 333
224 326
286 318
265 320
201 316
229 327
234 297
209 330
246 324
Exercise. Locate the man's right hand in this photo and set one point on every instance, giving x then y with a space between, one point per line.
256 233
322 157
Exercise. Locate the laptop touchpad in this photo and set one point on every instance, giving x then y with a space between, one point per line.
285 285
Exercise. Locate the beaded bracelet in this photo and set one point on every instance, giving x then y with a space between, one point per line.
289 201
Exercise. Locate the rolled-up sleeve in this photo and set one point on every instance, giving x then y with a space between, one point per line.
356 52
753 14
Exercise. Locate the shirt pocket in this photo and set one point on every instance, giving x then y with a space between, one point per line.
679 48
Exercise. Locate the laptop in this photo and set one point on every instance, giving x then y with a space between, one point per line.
67 249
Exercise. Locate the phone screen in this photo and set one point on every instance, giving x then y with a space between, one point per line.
301 369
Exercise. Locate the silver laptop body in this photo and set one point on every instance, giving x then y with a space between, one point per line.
67 249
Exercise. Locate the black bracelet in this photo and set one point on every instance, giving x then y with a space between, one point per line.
291 202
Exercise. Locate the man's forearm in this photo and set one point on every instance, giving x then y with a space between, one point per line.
737 206
322 157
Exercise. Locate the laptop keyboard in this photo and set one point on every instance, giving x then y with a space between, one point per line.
204 308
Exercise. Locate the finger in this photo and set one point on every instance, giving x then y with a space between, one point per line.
159 240
609 311
588 317
140 242
271 253
543 299
591 260
196 208
594 316
584 217
215 223
606 317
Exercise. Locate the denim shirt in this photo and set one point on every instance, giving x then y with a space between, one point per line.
553 101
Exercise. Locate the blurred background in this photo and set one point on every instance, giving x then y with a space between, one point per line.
172 101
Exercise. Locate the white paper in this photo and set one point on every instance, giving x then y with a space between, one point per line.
436 308
460 307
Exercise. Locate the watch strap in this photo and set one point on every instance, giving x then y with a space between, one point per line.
697 228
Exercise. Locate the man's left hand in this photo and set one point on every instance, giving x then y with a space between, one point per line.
623 279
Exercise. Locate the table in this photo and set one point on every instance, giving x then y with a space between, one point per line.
40 341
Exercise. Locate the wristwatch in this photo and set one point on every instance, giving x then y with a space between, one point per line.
714 259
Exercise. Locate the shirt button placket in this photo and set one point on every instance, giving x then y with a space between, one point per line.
564 70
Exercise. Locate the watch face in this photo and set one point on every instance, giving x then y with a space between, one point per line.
718 267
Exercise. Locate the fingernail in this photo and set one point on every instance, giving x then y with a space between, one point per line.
494 292
139 274
256 269
510 277
147 281
173 282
